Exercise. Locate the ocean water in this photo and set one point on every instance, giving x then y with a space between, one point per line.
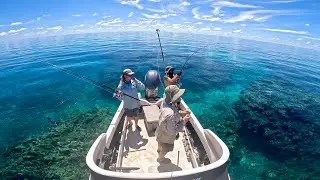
262 99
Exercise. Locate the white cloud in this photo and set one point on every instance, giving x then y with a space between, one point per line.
56 28
237 31
131 14
198 23
232 4
81 25
217 11
101 22
204 29
95 14
253 15
32 21
39 18
312 38
285 31
197 15
217 29
16 23
307 24
3 33
105 23
174 6
185 3
154 0
42 32
40 28
157 16
156 10
16 31
243 25
134 3
285 1
308 42
186 22
76 15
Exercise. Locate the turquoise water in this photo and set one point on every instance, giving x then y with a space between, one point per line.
235 87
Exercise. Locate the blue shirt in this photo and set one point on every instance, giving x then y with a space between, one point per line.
130 88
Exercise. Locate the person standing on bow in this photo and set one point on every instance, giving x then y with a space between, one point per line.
130 85
170 78
171 121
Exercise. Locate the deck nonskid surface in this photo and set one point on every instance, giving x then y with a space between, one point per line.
140 153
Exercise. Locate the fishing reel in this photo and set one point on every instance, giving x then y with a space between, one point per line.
152 82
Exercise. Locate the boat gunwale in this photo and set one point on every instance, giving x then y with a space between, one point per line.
213 165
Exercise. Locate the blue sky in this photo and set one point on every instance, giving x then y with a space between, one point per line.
294 22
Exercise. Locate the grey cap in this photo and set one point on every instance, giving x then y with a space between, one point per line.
128 72
168 68
172 93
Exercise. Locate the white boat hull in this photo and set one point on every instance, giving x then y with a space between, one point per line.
217 152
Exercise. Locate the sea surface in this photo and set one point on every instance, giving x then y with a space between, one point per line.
261 99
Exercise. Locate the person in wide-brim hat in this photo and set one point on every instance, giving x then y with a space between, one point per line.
171 120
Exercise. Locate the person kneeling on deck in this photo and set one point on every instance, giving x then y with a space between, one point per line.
171 121
170 78
130 86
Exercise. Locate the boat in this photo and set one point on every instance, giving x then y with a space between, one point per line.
123 153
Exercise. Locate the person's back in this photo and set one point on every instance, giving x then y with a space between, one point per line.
168 124
170 120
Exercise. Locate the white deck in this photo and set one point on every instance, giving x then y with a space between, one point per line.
140 153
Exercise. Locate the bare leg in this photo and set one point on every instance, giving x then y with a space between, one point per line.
136 122
161 154
129 121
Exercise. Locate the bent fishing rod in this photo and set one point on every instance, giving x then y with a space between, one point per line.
97 84
157 30
195 52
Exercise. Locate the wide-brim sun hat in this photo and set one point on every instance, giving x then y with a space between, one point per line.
128 72
173 93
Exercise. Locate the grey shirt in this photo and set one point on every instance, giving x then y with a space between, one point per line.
170 123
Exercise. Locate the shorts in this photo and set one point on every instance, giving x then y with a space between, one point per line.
131 112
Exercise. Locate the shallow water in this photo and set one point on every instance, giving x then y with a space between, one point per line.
216 79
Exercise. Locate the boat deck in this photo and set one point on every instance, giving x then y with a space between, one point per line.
140 153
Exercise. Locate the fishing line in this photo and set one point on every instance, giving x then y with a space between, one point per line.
93 82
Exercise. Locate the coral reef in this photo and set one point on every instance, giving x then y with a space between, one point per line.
286 117
281 121
59 153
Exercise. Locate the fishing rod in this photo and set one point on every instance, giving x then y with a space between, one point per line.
97 84
189 57
160 45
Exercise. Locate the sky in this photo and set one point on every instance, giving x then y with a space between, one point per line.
293 22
